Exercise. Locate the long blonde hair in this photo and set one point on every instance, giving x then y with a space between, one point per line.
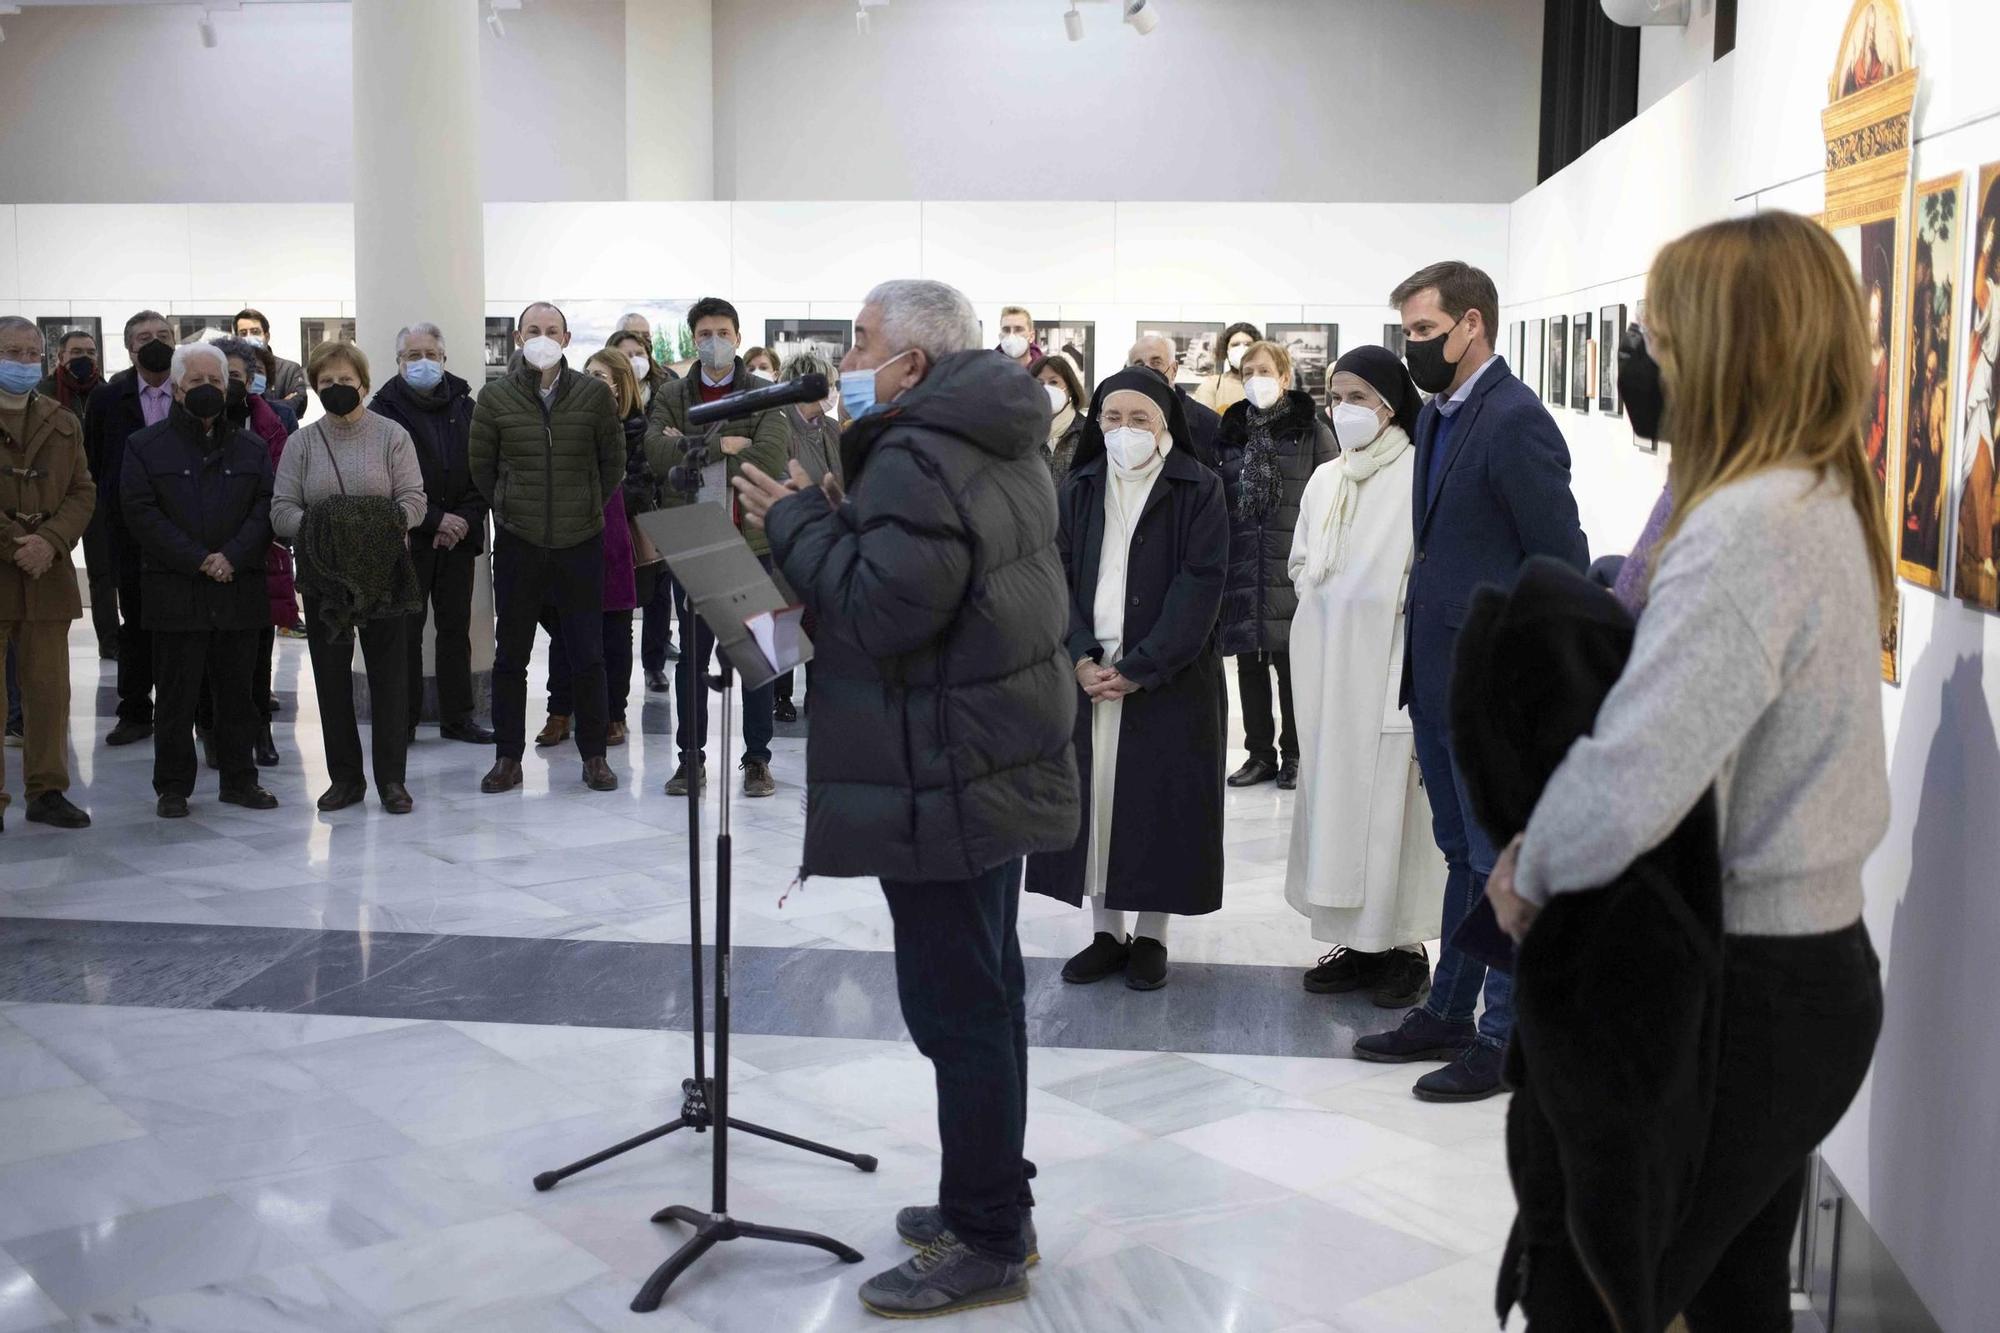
625 385
1758 326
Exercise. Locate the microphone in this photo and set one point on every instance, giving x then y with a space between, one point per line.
804 389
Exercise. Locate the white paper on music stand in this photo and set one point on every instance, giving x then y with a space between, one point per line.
780 636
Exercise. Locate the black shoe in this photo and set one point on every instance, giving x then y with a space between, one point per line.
673 651
656 682
252 797
1146 967
784 711
341 795
1288 775
125 733
107 652
266 749
54 809
395 797
1422 1036
923 1224
1103 957
1253 772
172 807
468 731
944 1277
1404 978
17 735
677 785
1473 1077
1342 969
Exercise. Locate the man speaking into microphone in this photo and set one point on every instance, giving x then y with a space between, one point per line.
943 702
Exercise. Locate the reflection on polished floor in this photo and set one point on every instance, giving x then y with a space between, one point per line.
305 1083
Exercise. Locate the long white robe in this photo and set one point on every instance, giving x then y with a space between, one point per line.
1364 865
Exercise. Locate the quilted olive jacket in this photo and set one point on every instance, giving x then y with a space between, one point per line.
547 469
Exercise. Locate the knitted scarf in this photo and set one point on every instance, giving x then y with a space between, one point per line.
1326 544
1262 488
353 563
71 393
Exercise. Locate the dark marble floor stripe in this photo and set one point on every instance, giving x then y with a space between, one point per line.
1207 1007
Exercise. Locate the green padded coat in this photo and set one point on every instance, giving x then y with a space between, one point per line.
547 470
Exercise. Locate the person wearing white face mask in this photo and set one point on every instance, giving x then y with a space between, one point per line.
1222 388
1017 337
1268 446
1144 537
1066 403
1364 868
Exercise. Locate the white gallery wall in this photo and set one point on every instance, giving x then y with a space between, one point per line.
1920 1151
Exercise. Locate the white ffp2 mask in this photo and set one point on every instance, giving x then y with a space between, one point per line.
1130 447
1014 345
1354 426
541 351
1262 391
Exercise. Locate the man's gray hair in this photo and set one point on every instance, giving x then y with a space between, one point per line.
426 328
187 353
804 364
17 324
628 317
933 317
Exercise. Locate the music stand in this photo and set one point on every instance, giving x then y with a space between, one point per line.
725 585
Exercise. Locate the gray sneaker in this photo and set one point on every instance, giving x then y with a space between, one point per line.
945 1277
921 1225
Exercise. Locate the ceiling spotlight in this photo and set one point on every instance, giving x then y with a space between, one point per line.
1073 23
207 26
1142 15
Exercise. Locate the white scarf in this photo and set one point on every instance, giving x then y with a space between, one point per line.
1326 548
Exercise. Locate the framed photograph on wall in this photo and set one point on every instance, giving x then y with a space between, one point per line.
1579 362
830 338
1392 338
1314 349
1556 390
1194 342
325 328
203 328
591 324
1610 329
53 328
1937 248
499 345
1534 332
1074 338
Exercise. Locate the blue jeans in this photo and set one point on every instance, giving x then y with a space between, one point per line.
1468 856
962 986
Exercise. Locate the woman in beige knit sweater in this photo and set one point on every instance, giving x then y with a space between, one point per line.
352 451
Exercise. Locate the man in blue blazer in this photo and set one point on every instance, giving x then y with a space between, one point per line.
1492 489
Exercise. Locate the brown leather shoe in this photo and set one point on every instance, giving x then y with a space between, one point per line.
597 775
396 798
505 775
554 732
614 733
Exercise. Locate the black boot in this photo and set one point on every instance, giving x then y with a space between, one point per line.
266 748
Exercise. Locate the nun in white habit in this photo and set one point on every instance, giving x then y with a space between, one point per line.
1364 868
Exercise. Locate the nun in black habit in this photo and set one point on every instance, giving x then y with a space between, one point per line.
1144 539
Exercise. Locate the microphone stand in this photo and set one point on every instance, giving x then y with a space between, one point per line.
705 1100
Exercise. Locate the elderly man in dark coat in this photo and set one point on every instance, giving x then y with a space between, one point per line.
1145 540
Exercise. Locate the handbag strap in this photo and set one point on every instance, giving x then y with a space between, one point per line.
326 441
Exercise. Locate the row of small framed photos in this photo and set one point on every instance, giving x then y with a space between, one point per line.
1572 361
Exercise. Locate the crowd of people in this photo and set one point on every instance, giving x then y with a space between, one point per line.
1021 595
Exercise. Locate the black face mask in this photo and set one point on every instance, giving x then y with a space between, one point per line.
1639 385
1427 364
340 399
154 356
81 368
205 401
239 401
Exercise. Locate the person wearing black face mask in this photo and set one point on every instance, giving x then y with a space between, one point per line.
78 374
1492 488
196 499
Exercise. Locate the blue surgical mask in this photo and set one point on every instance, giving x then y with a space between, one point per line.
18 377
258 382
857 388
423 373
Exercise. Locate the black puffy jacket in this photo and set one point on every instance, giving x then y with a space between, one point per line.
186 490
943 697
1258 599
440 426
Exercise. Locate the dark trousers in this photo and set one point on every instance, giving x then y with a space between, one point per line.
101 567
388 697
1799 1020
960 980
1468 858
1253 683
659 613
135 644
617 666
260 684
570 582
446 580
15 721
758 723
185 659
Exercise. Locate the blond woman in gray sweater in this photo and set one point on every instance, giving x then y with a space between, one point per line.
1755 671
352 451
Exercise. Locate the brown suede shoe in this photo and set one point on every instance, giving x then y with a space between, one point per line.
614 733
505 775
554 732
597 775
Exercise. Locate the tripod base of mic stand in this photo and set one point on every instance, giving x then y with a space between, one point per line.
696 1115
710 1230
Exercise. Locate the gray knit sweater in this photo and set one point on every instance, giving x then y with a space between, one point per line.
373 456
1756 668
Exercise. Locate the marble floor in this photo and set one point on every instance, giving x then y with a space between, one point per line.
281 1071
